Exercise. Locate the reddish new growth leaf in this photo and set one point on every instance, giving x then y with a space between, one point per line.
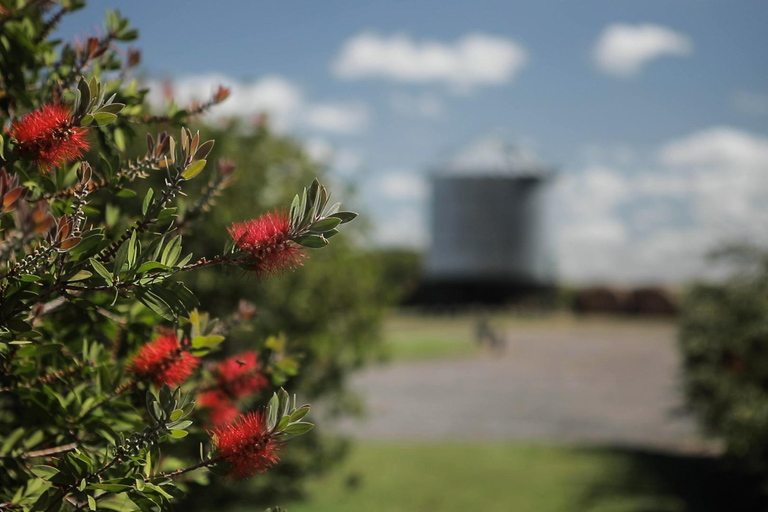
240 376
246 445
221 410
164 361
267 239
48 137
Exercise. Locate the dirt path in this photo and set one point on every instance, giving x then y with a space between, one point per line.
613 384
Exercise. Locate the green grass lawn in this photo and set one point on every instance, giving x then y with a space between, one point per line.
422 338
504 476
415 336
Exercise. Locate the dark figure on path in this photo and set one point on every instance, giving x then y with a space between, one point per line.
486 335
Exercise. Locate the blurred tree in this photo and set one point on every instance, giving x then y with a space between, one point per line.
724 343
329 314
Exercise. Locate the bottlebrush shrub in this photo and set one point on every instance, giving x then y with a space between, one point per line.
104 353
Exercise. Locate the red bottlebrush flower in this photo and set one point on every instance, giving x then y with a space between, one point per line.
220 409
163 361
48 136
246 445
266 238
240 375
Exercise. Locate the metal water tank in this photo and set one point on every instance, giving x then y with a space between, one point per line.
489 219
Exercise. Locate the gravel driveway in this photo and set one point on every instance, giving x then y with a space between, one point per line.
609 384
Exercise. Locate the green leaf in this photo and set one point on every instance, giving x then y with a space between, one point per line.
282 423
119 136
85 96
120 258
345 216
193 169
126 192
148 464
182 425
312 241
151 265
166 214
298 428
132 242
91 502
101 270
299 413
206 341
103 118
44 472
177 414
178 434
112 108
324 225
272 409
147 201
294 211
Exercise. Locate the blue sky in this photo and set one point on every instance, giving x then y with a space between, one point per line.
654 111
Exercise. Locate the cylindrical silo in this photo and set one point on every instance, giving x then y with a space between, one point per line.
489 223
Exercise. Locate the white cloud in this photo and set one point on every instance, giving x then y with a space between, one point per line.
473 60
720 146
399 185
319 150
272 94
637 225
338 117
283 100
750 103
424 105
404 227
345 161
623 50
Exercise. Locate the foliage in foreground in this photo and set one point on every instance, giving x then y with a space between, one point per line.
724 343
102 347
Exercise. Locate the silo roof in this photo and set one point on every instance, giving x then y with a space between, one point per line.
492 157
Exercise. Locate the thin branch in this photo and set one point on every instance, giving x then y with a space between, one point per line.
174 187
49 451
50 377
171 474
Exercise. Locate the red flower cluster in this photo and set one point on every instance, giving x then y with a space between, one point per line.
236 377
164 361
246 445
267 239
48 136
240 375
221 410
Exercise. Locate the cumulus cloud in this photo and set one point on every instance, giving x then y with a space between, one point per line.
623 50
279 98
284 102
404 227
345 161
720 147
423 105
398 185
647 225
473 60
338 117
